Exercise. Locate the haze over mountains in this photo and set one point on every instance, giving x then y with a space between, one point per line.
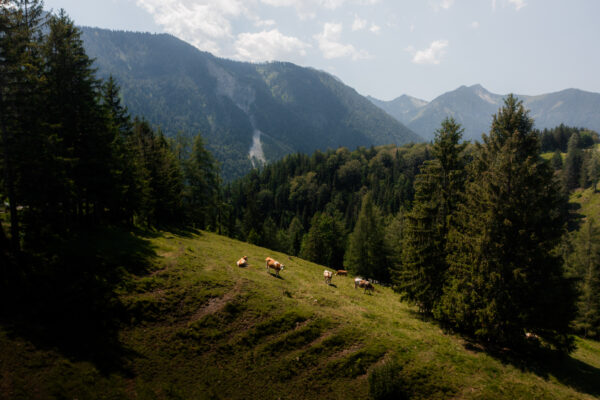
473 107
255 113
247 113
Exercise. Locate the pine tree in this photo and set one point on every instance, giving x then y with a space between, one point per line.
585 261
437 190
573 162
504 277
367 254
20 102
202 186
325 241
82 142
294 233
557 161
125 198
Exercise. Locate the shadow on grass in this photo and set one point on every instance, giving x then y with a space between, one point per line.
546 363
67 297
575 217
276 276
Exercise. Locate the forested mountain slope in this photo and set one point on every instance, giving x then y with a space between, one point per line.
248 113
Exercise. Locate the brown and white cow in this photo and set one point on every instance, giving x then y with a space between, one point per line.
364 284
341 272
242 262
327 275
276 265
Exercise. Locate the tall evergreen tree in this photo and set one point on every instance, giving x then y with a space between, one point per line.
201 195
573 162
504 276
585 261
557 161
367 254
82 143
437 190
325 241
20 102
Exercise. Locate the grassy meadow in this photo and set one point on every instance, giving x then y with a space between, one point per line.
187 323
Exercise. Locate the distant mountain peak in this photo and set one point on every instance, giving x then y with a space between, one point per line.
473 106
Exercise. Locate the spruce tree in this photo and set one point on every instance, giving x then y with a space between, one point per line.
585 261
202 186
21 139
437 190
573 161
367 254
326 240
505 279
557 161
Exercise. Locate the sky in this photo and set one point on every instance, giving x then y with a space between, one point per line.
383 48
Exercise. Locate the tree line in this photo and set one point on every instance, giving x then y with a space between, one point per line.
71 155
474 234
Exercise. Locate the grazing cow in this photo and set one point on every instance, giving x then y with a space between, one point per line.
364 284
276 265
531 336
341 272
327 275
357 281
243 262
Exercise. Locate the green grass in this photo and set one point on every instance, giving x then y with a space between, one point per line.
194 325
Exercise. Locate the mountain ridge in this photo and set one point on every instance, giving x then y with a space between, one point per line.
273 108
473 107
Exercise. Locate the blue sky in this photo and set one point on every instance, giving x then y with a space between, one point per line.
384 48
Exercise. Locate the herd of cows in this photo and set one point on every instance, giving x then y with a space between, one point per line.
328 275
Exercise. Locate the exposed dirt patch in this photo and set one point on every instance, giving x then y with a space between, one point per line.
216 304
171 258
341 354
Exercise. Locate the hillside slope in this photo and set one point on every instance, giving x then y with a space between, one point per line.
197 326
248 113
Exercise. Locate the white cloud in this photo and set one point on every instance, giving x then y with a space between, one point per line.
375 28
430 55
518 4
309 8
201 23
331 47
359 24
474 24
267 22
442 5
411 27
268 46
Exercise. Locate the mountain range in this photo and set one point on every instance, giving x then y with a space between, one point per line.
473 107
247 113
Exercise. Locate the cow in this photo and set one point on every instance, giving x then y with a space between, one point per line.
242 262
341 272
357 281
276 265
364 284
327 275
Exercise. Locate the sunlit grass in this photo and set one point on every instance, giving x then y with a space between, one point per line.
198 326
